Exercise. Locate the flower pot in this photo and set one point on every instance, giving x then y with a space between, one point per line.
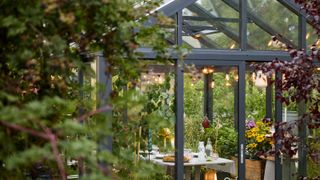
254 168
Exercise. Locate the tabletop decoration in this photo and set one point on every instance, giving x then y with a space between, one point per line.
167 136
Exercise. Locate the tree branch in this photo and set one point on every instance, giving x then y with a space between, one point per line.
91 113
48 135
54 146
24 129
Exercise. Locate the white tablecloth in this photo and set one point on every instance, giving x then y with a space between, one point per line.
220 164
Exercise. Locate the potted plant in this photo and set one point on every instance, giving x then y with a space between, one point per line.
258 144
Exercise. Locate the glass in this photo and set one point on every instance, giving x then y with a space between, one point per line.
258 39
205 25
311 37
209 93
193 106
273 18
219 8
188 153
201 151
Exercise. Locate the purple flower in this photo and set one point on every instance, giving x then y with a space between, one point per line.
250 124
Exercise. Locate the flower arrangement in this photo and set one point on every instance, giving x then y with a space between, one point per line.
258 142
167 136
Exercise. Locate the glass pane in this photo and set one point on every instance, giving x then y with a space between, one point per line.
154 130
210 119
290 165
205 25
311 37
313 157
313 143
258 132
193 108
274 19
219 8
258 39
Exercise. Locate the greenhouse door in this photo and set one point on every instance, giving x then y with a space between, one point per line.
214 112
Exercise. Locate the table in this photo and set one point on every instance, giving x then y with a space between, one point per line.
220 164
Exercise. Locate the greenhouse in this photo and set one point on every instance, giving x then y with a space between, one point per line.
192 89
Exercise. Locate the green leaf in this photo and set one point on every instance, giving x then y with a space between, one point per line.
30 155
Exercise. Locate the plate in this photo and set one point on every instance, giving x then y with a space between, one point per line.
159 156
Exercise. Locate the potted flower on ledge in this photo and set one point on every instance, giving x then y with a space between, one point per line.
259 142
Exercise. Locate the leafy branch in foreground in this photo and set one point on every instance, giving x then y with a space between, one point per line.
43 47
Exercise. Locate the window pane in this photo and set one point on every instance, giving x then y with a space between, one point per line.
211 24
311 37
275 19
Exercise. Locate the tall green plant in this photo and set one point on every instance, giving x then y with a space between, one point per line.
44 118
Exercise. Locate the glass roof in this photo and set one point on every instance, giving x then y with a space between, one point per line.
214 24
205 25
275 20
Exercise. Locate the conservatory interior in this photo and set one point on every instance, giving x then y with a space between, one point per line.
216 97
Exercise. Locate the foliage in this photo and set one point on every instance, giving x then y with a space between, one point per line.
298 85
257 142
223 110
223 98
160 103
45 117
313 162
192 133
255 101
227 140
311 7
193 97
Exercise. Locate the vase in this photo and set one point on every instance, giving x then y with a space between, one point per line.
201 151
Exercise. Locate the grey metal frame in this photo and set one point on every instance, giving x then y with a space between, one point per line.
278 119
302 128
179 125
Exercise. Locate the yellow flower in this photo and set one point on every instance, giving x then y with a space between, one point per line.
165 133
259 124
252 145
248 134
260 138
271 141
255 129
